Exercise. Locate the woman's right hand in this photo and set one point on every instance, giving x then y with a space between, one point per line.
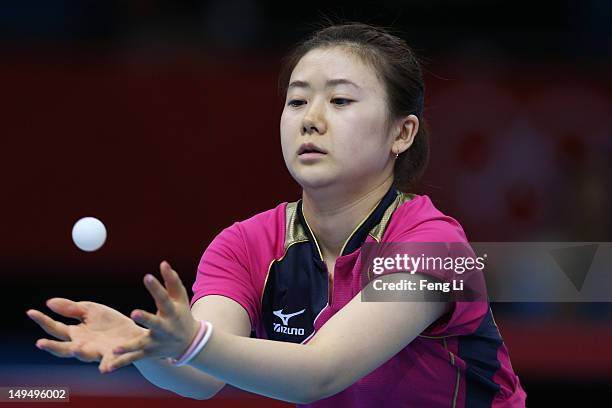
101 330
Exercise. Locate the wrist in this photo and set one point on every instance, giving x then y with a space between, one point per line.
187 340
202 336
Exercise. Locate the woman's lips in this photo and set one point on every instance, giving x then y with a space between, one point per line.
311 156
310 148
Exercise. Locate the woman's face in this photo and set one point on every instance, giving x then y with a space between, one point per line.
336 104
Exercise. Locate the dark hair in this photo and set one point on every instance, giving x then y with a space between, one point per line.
396 66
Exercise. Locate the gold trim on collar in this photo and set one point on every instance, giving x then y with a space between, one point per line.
378 231
359 225
294 231
313 236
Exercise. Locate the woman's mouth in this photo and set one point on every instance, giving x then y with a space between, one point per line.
309 152
310 148
310 157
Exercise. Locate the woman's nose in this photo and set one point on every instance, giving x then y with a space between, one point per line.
314 120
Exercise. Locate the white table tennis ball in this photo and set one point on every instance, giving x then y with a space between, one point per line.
89 234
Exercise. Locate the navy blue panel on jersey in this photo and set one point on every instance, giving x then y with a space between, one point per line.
479 351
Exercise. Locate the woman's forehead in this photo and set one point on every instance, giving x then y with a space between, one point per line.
324 64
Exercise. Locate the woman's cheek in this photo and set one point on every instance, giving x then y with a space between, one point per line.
285 138
286 149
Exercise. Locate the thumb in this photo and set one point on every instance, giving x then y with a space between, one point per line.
105 362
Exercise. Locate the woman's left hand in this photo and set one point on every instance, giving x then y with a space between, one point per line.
170 330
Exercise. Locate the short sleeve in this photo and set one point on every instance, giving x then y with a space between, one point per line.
468 311
465 314
224 270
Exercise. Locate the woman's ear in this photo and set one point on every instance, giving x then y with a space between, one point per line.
406 132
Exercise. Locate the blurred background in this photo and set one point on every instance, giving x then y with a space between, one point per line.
161 119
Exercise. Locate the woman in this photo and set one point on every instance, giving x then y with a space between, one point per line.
352 136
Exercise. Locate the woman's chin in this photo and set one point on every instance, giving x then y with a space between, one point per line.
315 182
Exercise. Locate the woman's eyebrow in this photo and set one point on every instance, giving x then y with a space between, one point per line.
330 83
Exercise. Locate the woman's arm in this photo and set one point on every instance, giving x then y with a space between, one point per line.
349 346
223 313
102 328
354 342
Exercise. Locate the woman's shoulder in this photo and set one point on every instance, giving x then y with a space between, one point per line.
262 233
266 220
420 219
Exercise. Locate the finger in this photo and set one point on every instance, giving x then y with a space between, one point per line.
162 300
52 327
67 308
57 348
111 363
173 283
139 343
147 319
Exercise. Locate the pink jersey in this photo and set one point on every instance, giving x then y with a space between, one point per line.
272 266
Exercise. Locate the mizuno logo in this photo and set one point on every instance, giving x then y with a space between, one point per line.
285 317
296 331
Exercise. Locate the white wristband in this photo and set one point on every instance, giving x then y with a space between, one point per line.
186 359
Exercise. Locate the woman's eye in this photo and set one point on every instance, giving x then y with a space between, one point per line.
341 101
296 102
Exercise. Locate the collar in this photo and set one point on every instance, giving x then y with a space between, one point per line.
360 233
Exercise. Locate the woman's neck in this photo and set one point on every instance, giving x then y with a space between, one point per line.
333 217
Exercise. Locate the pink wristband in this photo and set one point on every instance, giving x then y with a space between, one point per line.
199 341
